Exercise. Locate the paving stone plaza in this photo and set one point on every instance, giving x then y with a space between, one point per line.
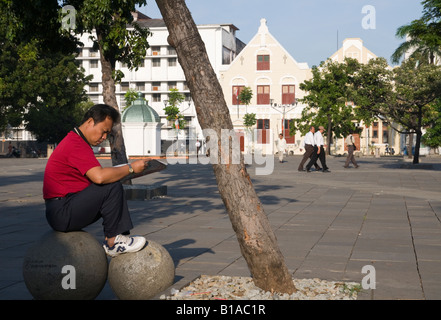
385 214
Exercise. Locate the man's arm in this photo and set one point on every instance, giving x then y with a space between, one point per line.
100 175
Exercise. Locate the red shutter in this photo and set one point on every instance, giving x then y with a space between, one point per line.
241 136
236 91
288 138
263 94
288 94
263 132
263 62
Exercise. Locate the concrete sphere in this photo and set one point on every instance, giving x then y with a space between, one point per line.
141 275
65 266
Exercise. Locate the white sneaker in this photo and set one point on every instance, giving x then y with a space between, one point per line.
124 244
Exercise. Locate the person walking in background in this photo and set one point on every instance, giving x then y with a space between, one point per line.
350 143
198 147
314 155
321 153
281 147
307 144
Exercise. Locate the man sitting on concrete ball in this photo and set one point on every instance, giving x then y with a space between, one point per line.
78 191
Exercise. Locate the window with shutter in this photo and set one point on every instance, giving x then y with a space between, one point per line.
236 92
263 132
263 62
263 94
288 138
288 94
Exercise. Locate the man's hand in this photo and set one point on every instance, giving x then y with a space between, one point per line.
139 165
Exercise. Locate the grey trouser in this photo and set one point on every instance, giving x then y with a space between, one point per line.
350 157
309 149
76 211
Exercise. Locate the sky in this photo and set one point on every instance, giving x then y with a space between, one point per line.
310 30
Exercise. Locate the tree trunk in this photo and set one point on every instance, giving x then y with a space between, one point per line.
329 137
257 241
118 149
410 145
416 157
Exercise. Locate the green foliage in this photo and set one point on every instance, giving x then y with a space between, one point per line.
110 20
61 98
418 85
175 97
117 75
328 91
118 38
423 36
404 96
41 84
45 93
423 42
432 137
372 89
172 109
415 89
32 20
249 120
130 96
246 95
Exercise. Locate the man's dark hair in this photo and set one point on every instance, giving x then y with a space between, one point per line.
100 112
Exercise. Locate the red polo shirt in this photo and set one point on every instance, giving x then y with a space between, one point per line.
66 168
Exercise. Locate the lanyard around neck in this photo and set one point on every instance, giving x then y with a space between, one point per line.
78 132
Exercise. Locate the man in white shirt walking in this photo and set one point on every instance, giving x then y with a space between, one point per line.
320 154
308 144
281 147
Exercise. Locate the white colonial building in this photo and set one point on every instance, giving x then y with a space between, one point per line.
161 72
274 77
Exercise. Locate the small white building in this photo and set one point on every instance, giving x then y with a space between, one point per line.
141 128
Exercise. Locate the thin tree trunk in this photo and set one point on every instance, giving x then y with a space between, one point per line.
410 145
117 146
257 241
416 157
329 138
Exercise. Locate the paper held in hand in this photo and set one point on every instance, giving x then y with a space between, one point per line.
152 166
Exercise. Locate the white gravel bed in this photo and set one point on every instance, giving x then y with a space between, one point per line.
242 288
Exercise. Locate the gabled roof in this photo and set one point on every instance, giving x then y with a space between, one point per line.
262 33
139 16
147 22
152 23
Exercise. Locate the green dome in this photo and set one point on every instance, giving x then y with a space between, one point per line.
140 111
